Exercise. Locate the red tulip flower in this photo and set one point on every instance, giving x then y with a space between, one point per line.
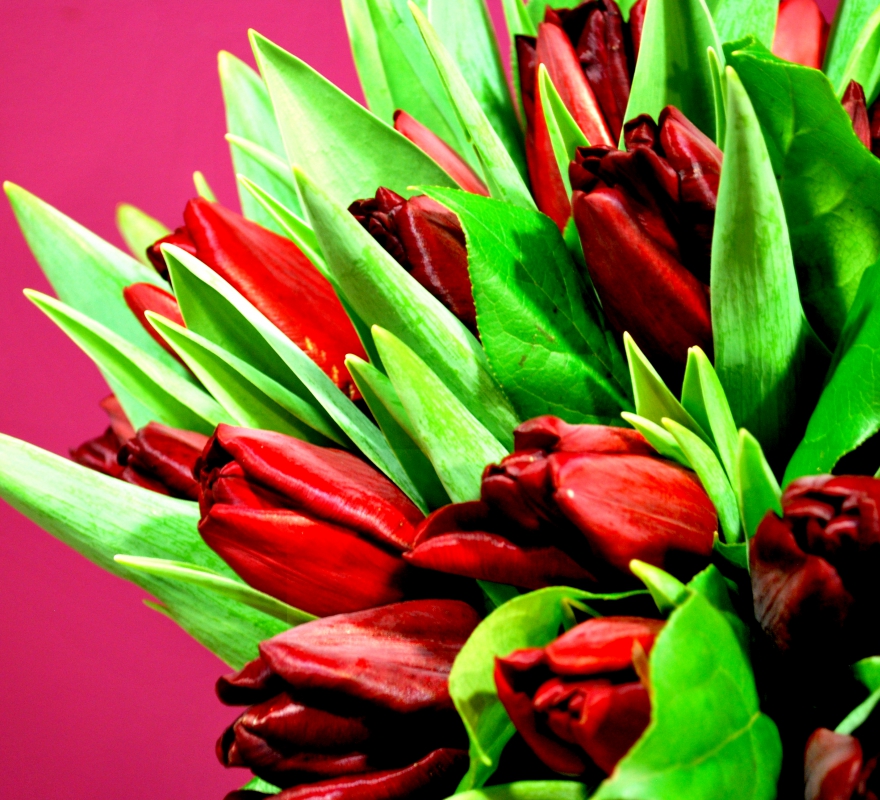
581 699
143 297
801 33
835 769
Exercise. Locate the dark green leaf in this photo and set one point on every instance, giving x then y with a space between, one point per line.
868 672
139 230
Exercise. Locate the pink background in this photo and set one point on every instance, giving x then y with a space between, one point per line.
100 102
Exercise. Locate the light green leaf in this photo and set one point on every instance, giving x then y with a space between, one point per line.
718 97
565 135
541 330
500 171
383 293
139 230
347 149
367 58
859 715
388 411
101 516
735 19
457 444
529 790
863 65
258 784
767 357
251 398
659 438
170 399
707 737
673 68
850 20
203 190
756 486
667 591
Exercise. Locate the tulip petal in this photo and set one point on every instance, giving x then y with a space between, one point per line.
603 644
552 434
801 33
832 766
143 297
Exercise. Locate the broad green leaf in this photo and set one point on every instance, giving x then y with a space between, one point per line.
756 487
169 398
736 18
703 460
101 516
139 230
530 620
367 58
251 398
673 67
653 399
868 672
767 357
388 411
565 135
848 411
203 190
850 20
456 443
347 149
829 181
542 333
863 65
215 310
383 293
529 790
707 737
500 171
659 438
215 582
86 272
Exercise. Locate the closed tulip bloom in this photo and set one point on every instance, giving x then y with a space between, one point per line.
814 570
274 275
354 705
315 527
581 700
645 219
801 33
835 769
853 102
426 239
572 504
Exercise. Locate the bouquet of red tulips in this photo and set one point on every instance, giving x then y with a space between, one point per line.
513 443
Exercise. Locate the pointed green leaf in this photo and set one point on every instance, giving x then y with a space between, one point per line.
259 785
756 487
667 591
518 20
251 398
383 293
829 181
543 335
501 172
850 20
659 438
718 97
388 411
367 58
347 149
529 790
859 715
139 230
457 444
203 190
762 338
867 671
170 398
673 68
863 65
100 516
737 18
565 135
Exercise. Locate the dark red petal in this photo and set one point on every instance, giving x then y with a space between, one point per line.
180 238
398 656
556 53
527 62
143 297
100 453
253 683
631 506
832 766
432 778
854 104
119 421
603 644
551 434
518 490
431 144
637 24
693 155
801 33
644 289
273 274
874 114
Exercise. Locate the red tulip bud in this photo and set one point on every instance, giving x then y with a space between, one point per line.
853 102
801 33
637 24
834 768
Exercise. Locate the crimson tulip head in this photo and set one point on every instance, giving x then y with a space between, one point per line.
835 769
272 273
427 241
581 699
801 33
363 694
814 570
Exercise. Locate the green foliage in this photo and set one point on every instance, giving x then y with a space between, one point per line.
850 19
863 65
529 790
565 135
139 230
540 326
203 190
364 41
735 19
757 489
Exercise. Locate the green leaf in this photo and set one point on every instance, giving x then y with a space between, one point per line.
719 97
169 398
850 20
707 737
848 411
859 715
863 65
767 357
388 411
139 230
501 172
667 591
868 672
659 438
258 784
457 444
367 58
673 68
542 333
251 398
705 463
203 190
215 582
735 19
383 293
101 516
756 487
736 554
516 15
565 135
529 790
347 149
530 620
829 181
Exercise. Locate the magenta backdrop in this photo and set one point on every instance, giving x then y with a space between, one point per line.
106 101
